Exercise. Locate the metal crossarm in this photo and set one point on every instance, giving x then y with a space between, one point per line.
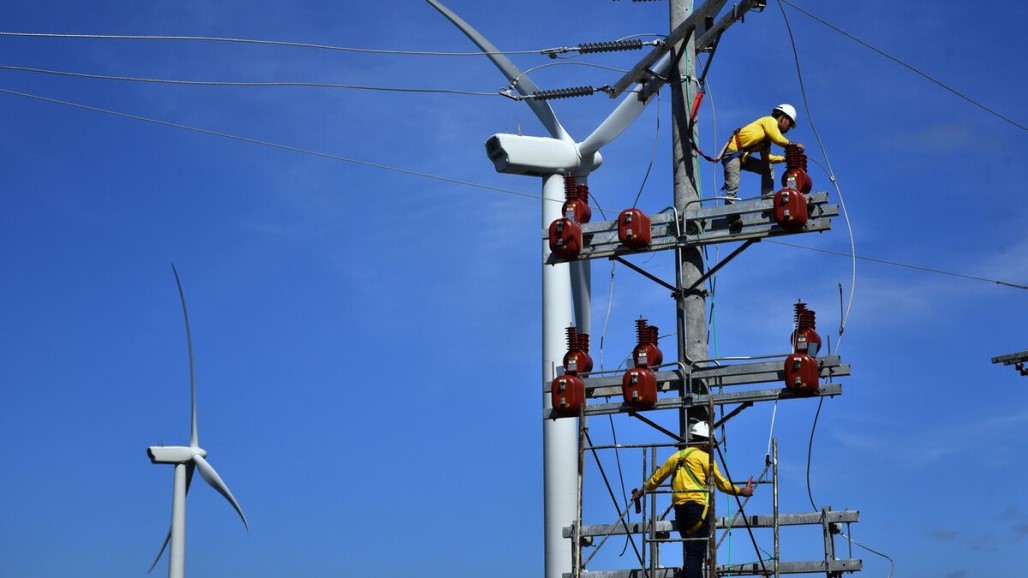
744 220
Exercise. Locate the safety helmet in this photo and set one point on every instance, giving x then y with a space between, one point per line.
788 110
699 430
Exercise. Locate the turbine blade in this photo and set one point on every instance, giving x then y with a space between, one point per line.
194 442
160 553
214 480
626 112
521 82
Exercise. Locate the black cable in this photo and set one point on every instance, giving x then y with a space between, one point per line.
810 451
749 528
905 65
653 155
613 498
904 265
621 472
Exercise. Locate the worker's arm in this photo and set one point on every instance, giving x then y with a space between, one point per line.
658 477
729 488
770 126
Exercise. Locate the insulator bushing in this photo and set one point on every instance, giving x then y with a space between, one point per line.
796 169
615 46
570 187
805 338
563 93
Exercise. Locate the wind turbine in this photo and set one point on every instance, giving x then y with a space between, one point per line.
186 459
551 158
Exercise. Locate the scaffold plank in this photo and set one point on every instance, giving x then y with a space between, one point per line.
758 521
746 569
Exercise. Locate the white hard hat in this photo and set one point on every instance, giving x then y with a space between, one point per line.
788 110
699 430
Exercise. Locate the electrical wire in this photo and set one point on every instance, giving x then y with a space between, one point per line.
653 156
907 66
853 252
906 265
831 176
892 563
260 42
241 84
270 144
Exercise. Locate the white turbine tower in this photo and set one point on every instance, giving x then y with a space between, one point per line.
551 159
186 459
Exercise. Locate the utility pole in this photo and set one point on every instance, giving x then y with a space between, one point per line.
691 315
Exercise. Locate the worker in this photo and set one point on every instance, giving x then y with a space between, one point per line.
757 137
688 469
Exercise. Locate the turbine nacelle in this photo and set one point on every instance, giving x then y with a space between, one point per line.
174 454
533 155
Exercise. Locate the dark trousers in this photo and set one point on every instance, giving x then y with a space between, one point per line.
686 516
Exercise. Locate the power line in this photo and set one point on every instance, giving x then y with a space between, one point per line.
904 265
260 42
908 66
441 178
242 84
268 144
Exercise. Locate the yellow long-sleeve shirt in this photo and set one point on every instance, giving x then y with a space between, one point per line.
689 483
757 137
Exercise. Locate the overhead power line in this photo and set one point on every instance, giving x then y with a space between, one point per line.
267 143
907 66
242 84
436 177
905 265
260 42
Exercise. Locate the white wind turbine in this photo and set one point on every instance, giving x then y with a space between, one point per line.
551 158
186 459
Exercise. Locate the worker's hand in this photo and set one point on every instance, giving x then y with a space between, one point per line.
748 488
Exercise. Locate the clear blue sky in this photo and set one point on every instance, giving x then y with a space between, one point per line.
368 341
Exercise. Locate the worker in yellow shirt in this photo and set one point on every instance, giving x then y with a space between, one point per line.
689 494
757 136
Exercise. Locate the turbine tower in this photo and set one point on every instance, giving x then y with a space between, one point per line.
186 459
551 159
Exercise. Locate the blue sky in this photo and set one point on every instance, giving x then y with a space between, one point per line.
367 340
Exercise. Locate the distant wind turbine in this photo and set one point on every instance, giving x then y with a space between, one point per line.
185 460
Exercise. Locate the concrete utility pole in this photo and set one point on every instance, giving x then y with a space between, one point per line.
691 308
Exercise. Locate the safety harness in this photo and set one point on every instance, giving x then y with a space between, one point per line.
681 464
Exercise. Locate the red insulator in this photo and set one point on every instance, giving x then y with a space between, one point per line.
790 208
804 337
570 187
646 353
583 213
567 394
565 238
801 373
639 388
576 203
577 360
634 229
796 176
585 364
